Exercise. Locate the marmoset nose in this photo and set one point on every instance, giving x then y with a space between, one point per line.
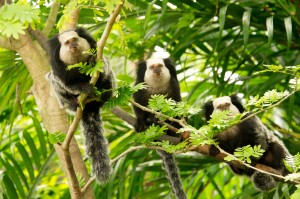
157 70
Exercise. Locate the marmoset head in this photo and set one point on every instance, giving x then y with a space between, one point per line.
232 103
224 103
157 74
72 48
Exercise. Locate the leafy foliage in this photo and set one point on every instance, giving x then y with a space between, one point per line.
170 107
296 194
207 42
269 98
293 163
245 153
202 136
221 120
16 17
80 179
152 133
85 68
122 94
171 148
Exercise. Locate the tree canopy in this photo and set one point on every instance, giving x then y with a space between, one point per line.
220 47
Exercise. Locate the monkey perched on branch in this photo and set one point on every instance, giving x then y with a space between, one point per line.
160 77
69 48
250 132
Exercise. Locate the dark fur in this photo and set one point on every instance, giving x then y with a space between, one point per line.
251 132
145 119
68 85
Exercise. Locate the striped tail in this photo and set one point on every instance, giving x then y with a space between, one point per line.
172 173
96 145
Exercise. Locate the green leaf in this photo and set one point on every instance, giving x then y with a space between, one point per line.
17 167
122 94
270 29
80 179
33 149
246 26
169 147
152 133
40 134
26 159
25 13
9 186
56 137
222 17
296 194
11 29
246 152
170 107
288 28
12 173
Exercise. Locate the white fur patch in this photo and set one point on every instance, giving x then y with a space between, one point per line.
157 83
69 57
225 100
152 61
65 36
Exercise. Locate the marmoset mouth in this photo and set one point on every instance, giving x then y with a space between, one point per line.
74 49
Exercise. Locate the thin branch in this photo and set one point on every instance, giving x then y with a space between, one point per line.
82 98
124 115
73 179
181 122
5 43
87 184
204 149
107 29
131 149
249 166
258 167
51 18
72 128
269 107
40 37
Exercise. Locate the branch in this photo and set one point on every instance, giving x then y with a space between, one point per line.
51 18
5 43
40 37
205 148
117 111
72 22
269 107
107 29
83 97
181 122
124 115
54 119
131 149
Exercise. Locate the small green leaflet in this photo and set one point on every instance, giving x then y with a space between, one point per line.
246 152
56 137
152 133
122 94
169 147
80 180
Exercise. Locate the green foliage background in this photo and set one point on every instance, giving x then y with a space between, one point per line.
218 46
